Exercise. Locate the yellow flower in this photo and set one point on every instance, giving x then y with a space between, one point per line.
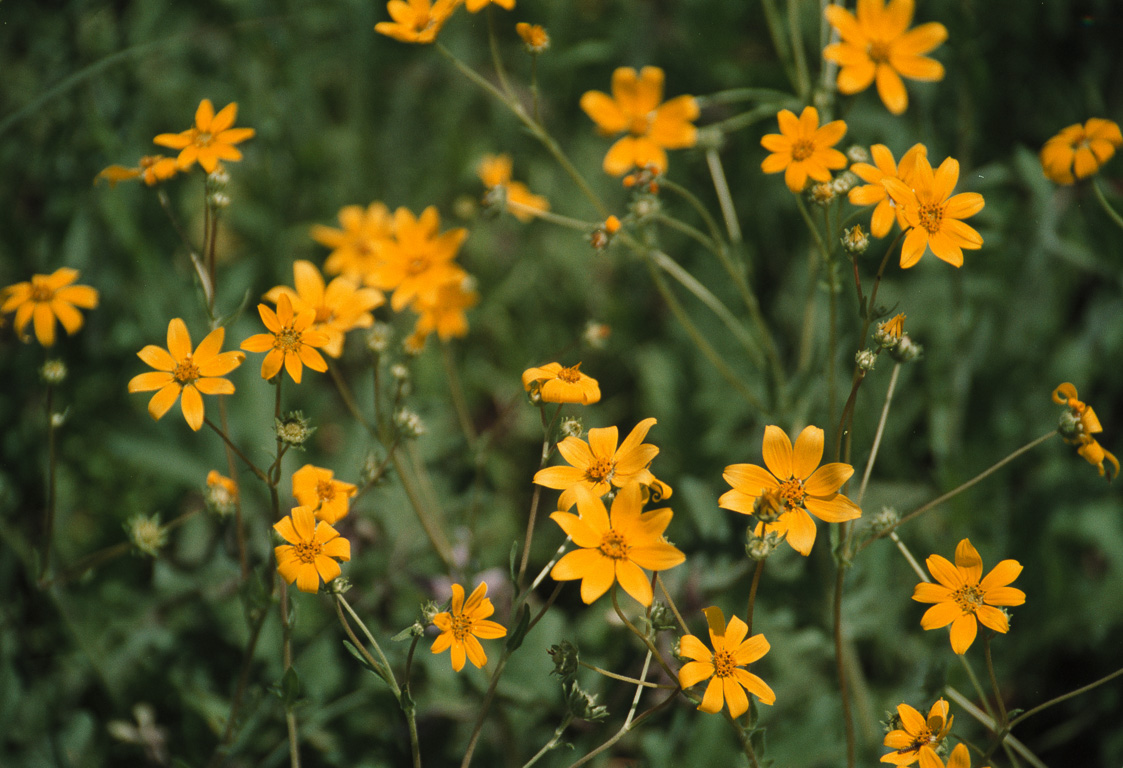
960 758
877 45
315 490
418 261
339 308
722 667
181 372
801 484
46 298
874 191
445 312
934 214
894 326
312 550
635 107
1081 149
495 172
1077 426
961 597
466 621
222 494
615 546
153 169
802 149
416 21
290 341
534 36
599 465
477 5
211 138
555 384
918 737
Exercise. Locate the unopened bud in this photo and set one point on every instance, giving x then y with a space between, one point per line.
146 534
866 359
855 241
857 154
53 372
293 430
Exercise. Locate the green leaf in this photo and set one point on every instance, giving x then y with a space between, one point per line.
515 639
290 687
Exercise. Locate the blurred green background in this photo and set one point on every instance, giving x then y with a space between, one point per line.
345 116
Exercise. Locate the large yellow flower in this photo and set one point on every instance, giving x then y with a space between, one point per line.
1080 149
963 595
416 21
312 550
290 341
495 172
934 214
186 375
316 489
1077 426
802 149
615 546
46 298
653 127
918 737
877 45
873 191
211 138
555 383
357 248
419 260
722 666
463 623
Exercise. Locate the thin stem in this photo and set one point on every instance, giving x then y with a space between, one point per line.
1003 720
843 683
1065 697
345 394
976 684
433 531
547 429
237 451
779 40
496 59
724 198
623 731
877 435
1108 209
455 387
988 722
553 742
220 752
232 469
747 119
286 649
800 56
484 706
752 596
643 637
671 603
341 602
625 678
640 684
568 222
52 485
908 556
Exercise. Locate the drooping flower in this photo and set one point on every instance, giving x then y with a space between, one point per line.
152 169
357 248
211 139
918 737
1078 151
722 666
46 298
418 261
801 484
290 341
416 21
615 546
316 489
463 623
556 384
873 192
534 36
495 172
877 45
802 149
599 465
961 596
186 375
636 106
1078 423
312 550
934 215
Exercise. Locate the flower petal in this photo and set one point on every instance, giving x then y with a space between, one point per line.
777 451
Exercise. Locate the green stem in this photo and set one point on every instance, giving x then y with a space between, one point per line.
1108 209
803 77
286 648
625 678
988 722
496 59
877 435
554 218
779 40
232 470
432 530
547 430
769 96
52 494
671 604
843 683
624 730
553 742
745 119
237 451
457 390
1065 697
724 198
752 595
1003 720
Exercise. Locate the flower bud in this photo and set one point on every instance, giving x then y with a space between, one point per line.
858 154
855 241
53 372
866 359
409 423
571 427
146 534
293 430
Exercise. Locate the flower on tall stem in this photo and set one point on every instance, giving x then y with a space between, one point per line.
44 299
1078 423
311 552
210 140
918 737
934 215
290 341
316 489
416 21
465 621
802 149
1079 151
555 383
723 666
874 192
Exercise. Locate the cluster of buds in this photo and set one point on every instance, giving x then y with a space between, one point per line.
824 193
865 359
602 235
1077 425
584 705
409 424
644 179
216 188
885 520
571 426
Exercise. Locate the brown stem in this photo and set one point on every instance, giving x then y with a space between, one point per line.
752 594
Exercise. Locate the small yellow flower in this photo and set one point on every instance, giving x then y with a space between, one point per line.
615 546
46 298
894 326
1078 424
416 21
211 139
556 384
290 341
419 260
534 36
312 550
918 737
466 621
356 249
222 494
722 666
495 172
636 106
316 490
152 169
444 313
961 597
802 149
873 192
1080 149
186 375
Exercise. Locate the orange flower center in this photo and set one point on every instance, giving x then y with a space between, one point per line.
570 375
878 51
931 216
417 264
461 626
308 551
600 471
324 314
922 738
201 138
288 340
185 371
792 493
641 124
802 149
325 490
968 597
723 664
614 546
41 290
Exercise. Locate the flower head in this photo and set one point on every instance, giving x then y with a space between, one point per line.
874 191
316 490
636 107
290 341
463 623
186 375
960 758
802 149
961 596
211 139
918 737
803 486
46 298
222 494
1078 423
419 260
556 384
312 550
534 36
146 534
877 45
495 172
357 248
934 215
416 21
152 169
444 312
615 546
722 666
1080 150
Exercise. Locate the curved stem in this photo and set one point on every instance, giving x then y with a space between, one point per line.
237 451
1065 697
547 429
625 678
877 436
671 603
1114 214
553 742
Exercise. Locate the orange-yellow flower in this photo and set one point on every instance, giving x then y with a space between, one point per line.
722 666
152 169
554 383
478 5
418 261
211 138
873 192
416 21
186 375
445 313
312 550
802 149
933 214
316 490
918 737
961 596
877 45
615 546
463 623
1080 150
222 494
290 341
960 758
534 36
46 298
635 107
495 172
1077 426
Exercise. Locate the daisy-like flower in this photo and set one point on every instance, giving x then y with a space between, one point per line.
960 758
445 313
211 139
636 106
186 375
599 465
722 666
933 214
918 736
1078 151
312 550
418 261
877 45
463 623
356 249
340 307
615 546
557 384
152 169
873 191
963 595
316 490
290 341
802 149
534 36
416 21
1078 423
800 484
495 172
46 298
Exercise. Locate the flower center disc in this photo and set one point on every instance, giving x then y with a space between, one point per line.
417 265
600 471
325 490
461 626
930 217
613 546
308 551
802 149
968 598
570 375
40 291
288 340
878 51
791 493
723 664
185 371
